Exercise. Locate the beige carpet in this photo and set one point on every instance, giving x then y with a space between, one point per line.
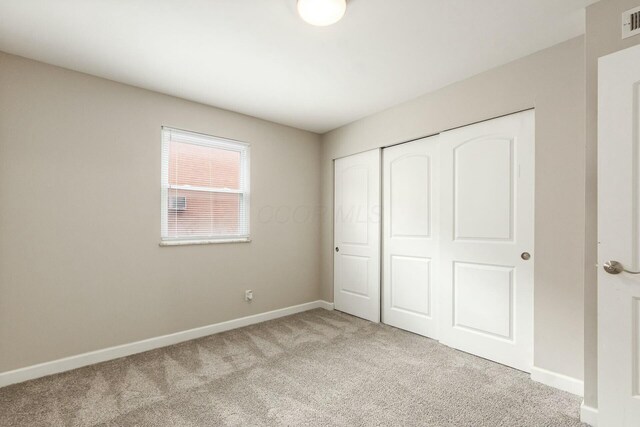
317 368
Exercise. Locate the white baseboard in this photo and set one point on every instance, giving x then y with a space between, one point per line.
85 359
326 305
559 381
589 415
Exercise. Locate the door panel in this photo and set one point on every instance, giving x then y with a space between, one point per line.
355 183
357 235
411 285
619 239
409 209
410 254
483 300
487 208
355 274
483 185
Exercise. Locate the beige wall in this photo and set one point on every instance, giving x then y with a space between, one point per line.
552 81
80 265
602 38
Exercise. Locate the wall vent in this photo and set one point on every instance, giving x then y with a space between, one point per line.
631 23
178 203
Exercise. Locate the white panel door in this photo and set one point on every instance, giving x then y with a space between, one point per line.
619 239
357 235
486 239
410 236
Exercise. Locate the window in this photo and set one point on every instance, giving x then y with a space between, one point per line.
205 188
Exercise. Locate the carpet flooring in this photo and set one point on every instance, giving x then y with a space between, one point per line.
317 368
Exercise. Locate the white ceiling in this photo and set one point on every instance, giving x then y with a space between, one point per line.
257 57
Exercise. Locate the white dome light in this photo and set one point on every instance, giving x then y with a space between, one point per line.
322 12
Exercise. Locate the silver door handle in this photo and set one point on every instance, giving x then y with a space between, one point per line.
614 267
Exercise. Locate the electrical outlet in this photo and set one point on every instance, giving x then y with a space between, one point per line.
248 295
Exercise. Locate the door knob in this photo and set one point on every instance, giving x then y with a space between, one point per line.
614 267
525 256
337 249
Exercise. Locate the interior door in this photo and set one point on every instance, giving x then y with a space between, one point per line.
357 235
486 239
410 236
619 239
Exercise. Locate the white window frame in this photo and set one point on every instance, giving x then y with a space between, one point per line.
194 138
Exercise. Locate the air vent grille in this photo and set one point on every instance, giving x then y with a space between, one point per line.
635 21
178 203
631 23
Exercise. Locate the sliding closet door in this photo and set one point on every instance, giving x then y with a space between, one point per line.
487 239
410 236
357 235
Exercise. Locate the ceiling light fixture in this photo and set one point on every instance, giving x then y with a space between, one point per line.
322 12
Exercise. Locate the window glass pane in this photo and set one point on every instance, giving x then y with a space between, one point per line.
203 214
201 166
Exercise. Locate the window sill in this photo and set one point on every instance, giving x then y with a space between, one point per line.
202 242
